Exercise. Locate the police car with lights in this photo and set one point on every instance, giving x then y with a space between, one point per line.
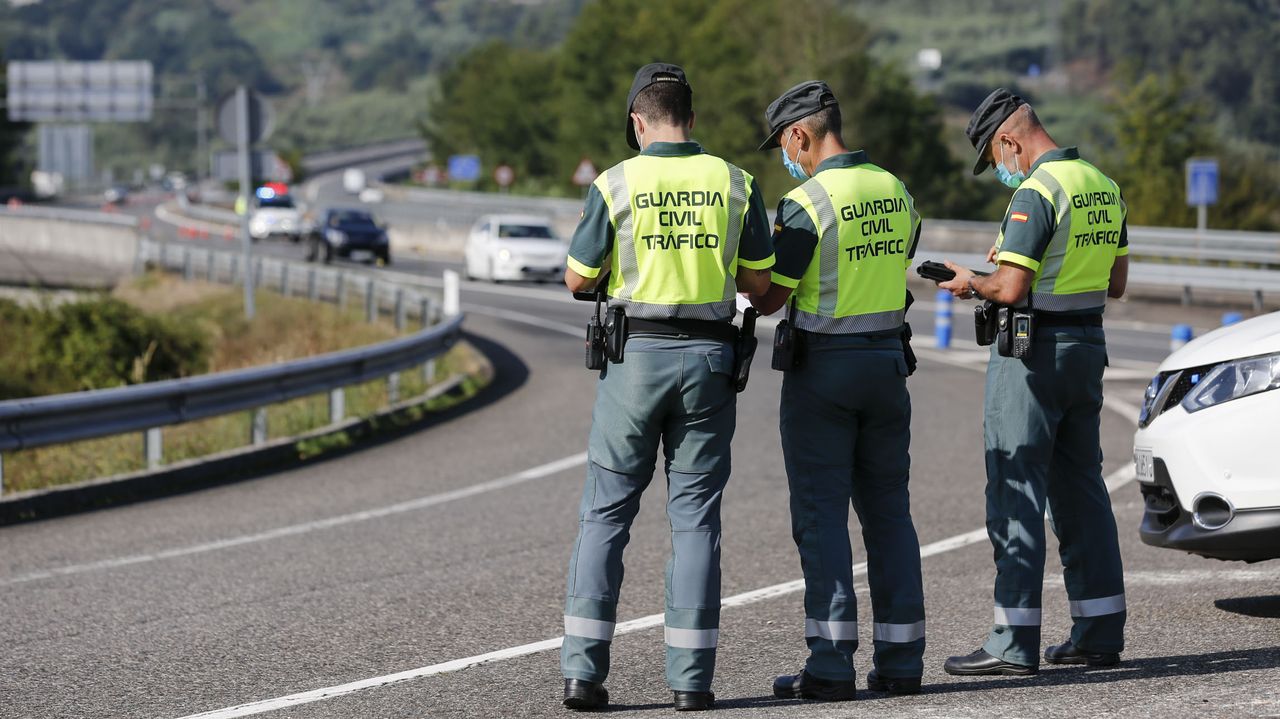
1205 447
274 213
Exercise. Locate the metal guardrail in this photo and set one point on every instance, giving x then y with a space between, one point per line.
42 421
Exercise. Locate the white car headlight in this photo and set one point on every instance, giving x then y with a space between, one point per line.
504 255
337 237
1233 380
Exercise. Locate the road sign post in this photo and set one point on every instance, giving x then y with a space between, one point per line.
504 175
585 173
242 148
1202 187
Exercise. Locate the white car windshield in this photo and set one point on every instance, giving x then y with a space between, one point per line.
525 232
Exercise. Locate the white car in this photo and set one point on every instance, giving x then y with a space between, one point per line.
1205 451
514 247
274 215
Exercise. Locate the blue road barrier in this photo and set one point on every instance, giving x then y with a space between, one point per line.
1180 336
942 320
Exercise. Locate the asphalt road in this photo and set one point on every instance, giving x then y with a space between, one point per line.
251 592
371 584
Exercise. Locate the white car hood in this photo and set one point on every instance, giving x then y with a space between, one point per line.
1257 336
539 248
276 213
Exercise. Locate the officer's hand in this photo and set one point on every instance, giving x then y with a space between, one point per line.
959 285
991 255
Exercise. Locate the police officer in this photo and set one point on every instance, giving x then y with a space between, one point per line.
677 231
844 239
1063 249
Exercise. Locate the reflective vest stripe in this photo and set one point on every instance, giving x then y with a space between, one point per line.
588 628
651 311
623 231
691 638
831 630
897 633
1062 303
872 322
1097 607
1017 617
828 246
737 206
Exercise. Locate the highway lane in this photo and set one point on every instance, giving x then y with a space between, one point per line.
328 605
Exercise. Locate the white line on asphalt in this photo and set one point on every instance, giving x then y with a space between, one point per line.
1113 481
539 472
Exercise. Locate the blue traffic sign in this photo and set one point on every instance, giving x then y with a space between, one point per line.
1202 182
465 168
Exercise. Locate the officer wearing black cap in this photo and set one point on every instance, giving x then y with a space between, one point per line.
844 240
679 231
1061 252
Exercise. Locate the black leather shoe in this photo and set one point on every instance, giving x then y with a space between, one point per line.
980 663
694 701
1068 653
806 686
584 696
893 685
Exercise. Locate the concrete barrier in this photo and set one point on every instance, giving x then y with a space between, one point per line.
59 247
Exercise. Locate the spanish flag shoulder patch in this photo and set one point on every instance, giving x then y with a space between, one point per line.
1017 217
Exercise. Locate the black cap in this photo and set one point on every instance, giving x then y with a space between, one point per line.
646 76
799 102
988 118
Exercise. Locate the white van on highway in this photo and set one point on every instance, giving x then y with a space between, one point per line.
1206 447
514 247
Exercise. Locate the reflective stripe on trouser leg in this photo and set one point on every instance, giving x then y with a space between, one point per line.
610 501
1080 510
696 442
1020 419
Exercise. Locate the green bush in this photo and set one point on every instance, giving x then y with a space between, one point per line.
92 344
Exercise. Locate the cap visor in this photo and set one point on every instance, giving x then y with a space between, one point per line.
981 165
770 142
631 135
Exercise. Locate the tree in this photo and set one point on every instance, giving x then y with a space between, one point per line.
13 167
1157 129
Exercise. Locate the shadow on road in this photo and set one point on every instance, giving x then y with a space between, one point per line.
1186 665
1267 607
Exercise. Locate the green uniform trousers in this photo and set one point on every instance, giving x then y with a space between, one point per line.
1041 426
680 392
845 420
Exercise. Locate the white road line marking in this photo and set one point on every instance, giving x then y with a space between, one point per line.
1113 481
526 319
539 472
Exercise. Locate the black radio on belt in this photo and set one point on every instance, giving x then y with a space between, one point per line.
606 338
1015 332
788 343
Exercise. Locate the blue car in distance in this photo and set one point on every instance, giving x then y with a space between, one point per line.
350 233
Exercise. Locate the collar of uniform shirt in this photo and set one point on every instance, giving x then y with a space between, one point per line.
1062 153
673 149
844 159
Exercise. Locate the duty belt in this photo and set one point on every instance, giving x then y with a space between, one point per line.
1055 319
700 329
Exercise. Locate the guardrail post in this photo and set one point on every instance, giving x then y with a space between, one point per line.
342 291
164 255
211 266
424 312
258 428
284 278
313 286
1 473
188 272
451 286
337 405
942 320
1186 295
393 388
400 312
370 300
234 273
152 447
1257 301
257 273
